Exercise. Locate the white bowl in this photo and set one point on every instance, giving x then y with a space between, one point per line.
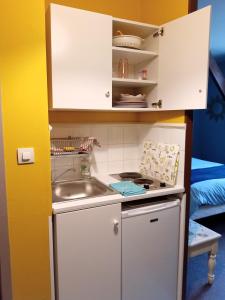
128 41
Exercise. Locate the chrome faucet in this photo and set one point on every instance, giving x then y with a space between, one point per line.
63 173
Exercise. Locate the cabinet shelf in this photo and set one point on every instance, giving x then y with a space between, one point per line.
142 30
127 82
134 56
133 109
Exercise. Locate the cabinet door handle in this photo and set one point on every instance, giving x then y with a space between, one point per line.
115 222
116 225
107 94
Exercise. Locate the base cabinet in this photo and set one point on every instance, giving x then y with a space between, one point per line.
99 256
88 254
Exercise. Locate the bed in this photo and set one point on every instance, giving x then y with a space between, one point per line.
207 189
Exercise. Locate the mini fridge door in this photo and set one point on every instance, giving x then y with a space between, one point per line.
150 246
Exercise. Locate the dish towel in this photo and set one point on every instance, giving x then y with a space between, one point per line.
128 188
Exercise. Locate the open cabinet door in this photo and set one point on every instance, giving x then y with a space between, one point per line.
184 62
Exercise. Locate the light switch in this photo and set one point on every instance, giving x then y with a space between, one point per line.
25 156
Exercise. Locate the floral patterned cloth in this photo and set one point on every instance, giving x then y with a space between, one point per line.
160 161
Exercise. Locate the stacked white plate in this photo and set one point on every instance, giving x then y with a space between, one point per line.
127 100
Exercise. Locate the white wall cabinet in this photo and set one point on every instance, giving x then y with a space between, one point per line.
81 55
85 65
184 62
88 254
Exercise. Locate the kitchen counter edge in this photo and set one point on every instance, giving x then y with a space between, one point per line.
73 205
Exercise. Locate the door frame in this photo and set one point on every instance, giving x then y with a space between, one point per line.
5 267
192 6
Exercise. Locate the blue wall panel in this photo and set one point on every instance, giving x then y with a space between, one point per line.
209 125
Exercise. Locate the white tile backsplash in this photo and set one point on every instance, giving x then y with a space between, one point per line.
131 165
115 135
61 131
115 166
100 154
180 178
63 161
100 132
130 135
121 145
100 167
115 153
130 152
83 130
65 172
181 160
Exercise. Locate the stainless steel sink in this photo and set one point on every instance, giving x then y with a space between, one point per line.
83 188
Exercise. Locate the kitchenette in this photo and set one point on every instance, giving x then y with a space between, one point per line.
96 100
118 231
118 225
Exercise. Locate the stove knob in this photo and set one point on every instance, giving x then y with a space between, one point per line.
146 186
162 184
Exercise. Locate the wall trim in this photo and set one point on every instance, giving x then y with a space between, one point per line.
192 6
51 252
157 124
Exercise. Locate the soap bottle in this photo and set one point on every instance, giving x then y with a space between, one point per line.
85 171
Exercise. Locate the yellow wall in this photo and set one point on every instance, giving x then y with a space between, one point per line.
24 91
128 9
162 117
91 117
162 11
25 113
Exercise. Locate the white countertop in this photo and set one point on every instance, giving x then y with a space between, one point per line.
67 206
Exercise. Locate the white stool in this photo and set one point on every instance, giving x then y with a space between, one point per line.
202 240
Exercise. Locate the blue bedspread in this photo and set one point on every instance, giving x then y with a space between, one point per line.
200 164
207 174
206 192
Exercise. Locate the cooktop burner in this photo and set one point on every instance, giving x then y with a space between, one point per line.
129 175
146 182
143 181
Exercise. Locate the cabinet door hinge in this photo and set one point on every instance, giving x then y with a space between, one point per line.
159 32
157 104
